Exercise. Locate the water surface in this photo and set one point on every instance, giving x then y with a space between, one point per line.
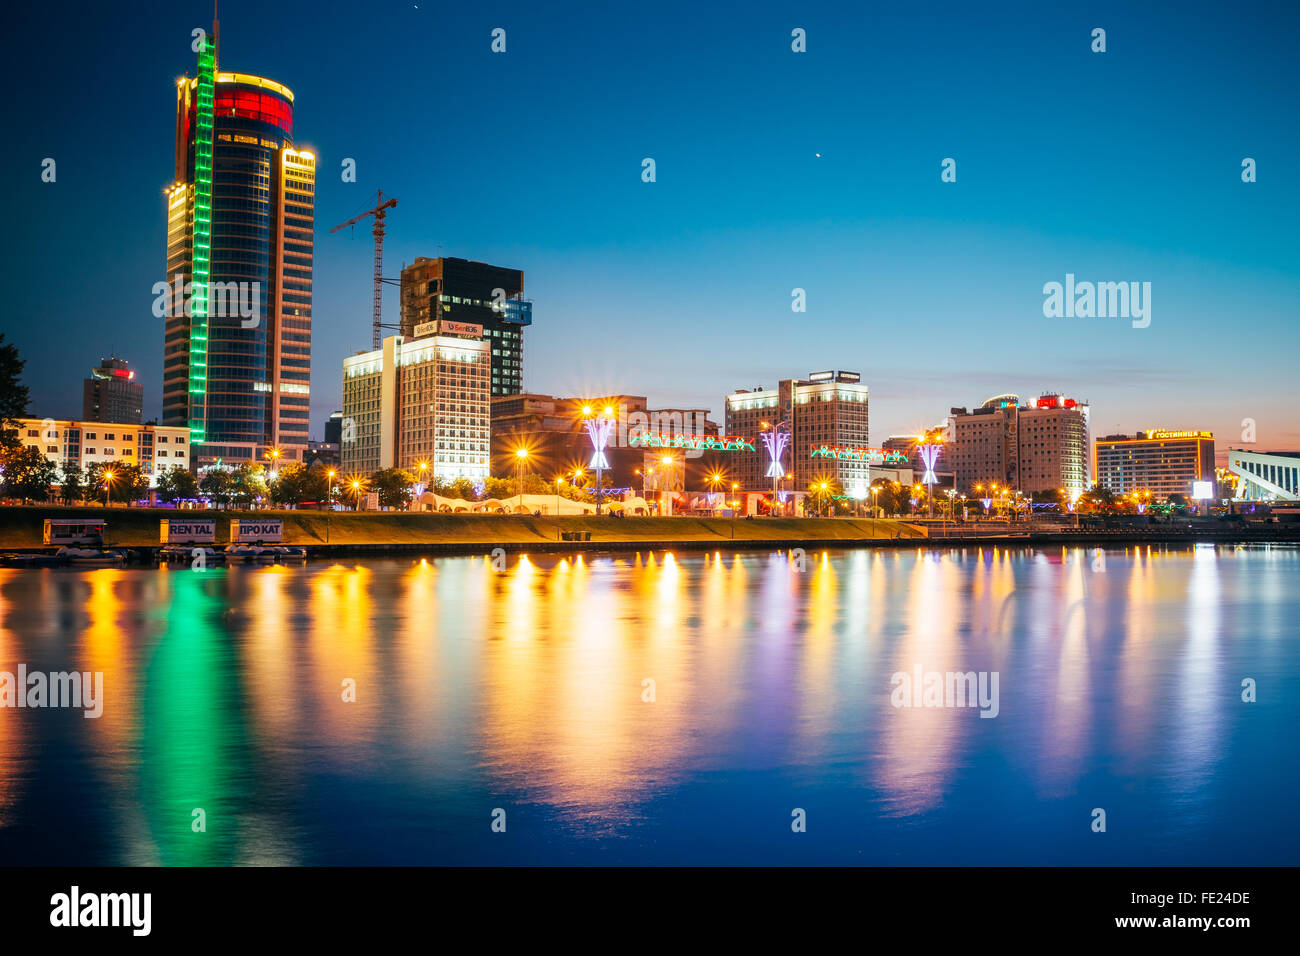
528 691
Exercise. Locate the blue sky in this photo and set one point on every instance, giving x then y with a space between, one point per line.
1122 166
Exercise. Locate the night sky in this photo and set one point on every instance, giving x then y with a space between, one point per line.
1122 166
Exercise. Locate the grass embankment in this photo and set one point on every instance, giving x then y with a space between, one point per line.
20 527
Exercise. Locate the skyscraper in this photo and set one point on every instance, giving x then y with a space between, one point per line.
477 293
237 346
112 394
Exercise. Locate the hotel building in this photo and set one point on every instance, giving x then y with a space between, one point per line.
84 443
240 221
825 410
473 292
420 401
1157 460
1031 447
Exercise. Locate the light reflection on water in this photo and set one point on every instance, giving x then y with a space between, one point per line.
527 690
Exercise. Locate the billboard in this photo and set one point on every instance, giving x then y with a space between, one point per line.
187 530
246 530
1202 490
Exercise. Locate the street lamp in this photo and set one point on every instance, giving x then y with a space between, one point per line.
875 501
273 456
356 494
558 481
108 480
521 462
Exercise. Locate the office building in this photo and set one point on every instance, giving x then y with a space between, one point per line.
1158 461
420 401
84 443
237 345
827 410
112 394
458 290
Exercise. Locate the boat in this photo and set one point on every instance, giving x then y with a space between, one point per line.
285 552
249 553
92 557
44 560
183 553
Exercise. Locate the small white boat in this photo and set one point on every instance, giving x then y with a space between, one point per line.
183 554
249 553
92 557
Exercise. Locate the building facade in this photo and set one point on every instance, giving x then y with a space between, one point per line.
1158 461
238 287
425 401
827 410
1266 476
154 448
112 394
1034 447
458 290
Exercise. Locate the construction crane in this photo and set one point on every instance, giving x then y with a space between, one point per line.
378 212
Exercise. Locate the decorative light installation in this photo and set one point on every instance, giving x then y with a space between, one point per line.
929 455
775 443
599 427
869 455
988 503
689 442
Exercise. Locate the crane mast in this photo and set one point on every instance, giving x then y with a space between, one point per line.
380 210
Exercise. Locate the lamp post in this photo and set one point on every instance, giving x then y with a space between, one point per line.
273 456
356 494
521 461
108 480
875 502
598 427
558 481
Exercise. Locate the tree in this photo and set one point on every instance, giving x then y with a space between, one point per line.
128 483
216 486
393 486
248 483
28 474
176 484
14 395
73 486
297 483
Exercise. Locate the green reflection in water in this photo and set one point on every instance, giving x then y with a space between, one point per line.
192 733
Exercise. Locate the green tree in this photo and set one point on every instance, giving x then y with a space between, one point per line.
393 486
177 483
73 486
217 485
14 395
28 474
297 483
128 482
247 483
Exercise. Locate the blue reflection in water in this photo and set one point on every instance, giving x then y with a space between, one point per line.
661 708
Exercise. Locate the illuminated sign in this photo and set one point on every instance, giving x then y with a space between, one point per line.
1202 490
873 456
1157 433
187 530
447 327
691 442
849 377
821 376
259 529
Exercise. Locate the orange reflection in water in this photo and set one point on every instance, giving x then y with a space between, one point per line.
340 649
565 710
12 720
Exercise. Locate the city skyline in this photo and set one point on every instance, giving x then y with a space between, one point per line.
681 288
